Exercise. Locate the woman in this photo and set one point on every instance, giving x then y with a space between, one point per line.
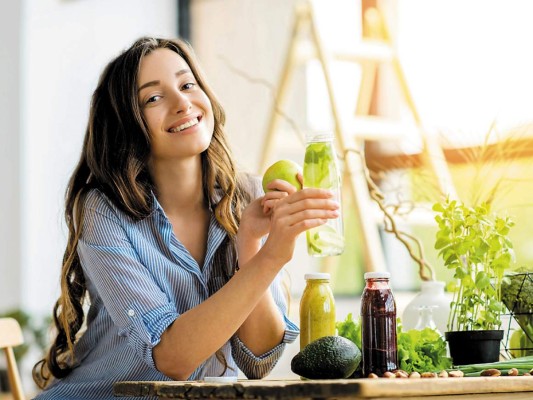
166 247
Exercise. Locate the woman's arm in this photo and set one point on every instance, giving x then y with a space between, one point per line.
264 328
198 333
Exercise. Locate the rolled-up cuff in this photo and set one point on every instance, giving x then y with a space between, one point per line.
145 331
257 367
291 331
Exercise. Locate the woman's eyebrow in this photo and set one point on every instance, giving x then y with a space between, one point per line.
157 82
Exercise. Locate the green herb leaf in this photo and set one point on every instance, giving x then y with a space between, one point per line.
422 351
350 329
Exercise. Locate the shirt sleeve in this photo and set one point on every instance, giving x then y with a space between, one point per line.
136 304
256 367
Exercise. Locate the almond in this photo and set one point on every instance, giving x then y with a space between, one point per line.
491 372
456 374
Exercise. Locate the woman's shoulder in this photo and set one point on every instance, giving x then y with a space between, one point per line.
97 201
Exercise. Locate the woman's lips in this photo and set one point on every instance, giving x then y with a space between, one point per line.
191 122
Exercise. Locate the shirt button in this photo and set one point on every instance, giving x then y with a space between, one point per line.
131 313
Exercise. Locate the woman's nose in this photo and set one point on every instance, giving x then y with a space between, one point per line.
182 103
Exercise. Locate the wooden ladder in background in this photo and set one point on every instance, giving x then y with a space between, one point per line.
352 131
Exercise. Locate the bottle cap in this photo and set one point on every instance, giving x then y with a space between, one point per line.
319 136
316 275
377 275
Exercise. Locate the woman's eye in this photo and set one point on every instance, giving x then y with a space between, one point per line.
153 99
188 86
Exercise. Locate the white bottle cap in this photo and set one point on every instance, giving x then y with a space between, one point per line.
319 136
377 275
317 275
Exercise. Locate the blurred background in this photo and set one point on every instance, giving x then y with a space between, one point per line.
464 65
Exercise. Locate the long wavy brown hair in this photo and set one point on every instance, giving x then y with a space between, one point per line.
114 160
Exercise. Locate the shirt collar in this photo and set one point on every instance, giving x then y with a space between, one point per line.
217 196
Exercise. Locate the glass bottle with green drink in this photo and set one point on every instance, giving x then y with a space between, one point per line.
321 170
317 309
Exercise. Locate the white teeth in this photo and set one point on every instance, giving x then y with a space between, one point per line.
186 125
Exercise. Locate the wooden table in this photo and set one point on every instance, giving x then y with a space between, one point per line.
503 387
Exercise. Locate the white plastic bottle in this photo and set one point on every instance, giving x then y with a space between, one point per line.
431 295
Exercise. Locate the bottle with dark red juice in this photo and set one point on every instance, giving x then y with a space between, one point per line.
378 325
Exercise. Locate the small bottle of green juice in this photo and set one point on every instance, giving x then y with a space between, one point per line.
321 170
317 309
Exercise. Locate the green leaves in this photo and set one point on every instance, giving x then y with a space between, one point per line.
474 243
350 329
482 280
422 351
319 158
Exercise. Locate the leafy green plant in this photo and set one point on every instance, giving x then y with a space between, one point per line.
422 351
475 244
350 329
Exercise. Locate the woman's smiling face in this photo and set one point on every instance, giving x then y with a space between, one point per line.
176 109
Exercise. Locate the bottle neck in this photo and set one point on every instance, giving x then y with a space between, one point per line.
320 138
316 281
432 287
377 283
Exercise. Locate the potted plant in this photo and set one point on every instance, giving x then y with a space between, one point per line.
475 244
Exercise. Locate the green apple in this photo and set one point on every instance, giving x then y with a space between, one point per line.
286 170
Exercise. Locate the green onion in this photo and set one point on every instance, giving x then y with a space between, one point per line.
522 364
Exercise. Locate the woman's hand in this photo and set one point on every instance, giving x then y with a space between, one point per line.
255 219
292 214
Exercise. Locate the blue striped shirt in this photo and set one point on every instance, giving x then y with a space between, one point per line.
140 278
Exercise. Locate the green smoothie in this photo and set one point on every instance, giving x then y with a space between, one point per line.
317 309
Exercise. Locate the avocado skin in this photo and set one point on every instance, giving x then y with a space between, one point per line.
330 357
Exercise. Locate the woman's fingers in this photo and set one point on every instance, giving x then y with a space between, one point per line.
304 210
305 219
308 199
300 177
274 195
281 186
295 213
270 200
310 193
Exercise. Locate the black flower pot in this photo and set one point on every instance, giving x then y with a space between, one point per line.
474 347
